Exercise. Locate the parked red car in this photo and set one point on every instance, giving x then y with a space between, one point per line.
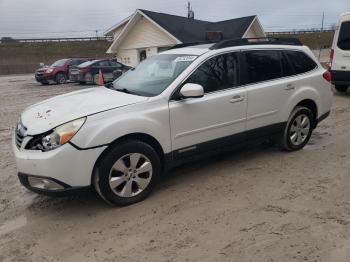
58 71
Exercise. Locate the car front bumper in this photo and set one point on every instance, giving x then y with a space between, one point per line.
44 77
340 77
76 77
60 170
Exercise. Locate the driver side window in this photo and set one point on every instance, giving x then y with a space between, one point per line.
218 73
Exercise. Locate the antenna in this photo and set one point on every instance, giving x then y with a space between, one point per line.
190 13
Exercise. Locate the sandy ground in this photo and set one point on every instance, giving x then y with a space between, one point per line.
257 204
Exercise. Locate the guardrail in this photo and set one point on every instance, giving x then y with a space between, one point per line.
46 40
295 32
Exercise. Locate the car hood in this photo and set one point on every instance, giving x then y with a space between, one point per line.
44 116
42 69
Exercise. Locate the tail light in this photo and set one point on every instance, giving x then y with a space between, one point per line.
331 58
327 76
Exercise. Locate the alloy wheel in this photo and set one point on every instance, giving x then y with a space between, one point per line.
299 129
61 79
130 175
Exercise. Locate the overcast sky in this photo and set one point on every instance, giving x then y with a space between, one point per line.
69 18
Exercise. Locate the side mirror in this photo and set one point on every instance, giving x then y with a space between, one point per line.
192 91
41 64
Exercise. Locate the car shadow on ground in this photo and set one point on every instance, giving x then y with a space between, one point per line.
89 201
342 94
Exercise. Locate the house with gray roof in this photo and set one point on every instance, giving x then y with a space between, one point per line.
146 33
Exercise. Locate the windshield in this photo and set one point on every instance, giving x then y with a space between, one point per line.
86 64
59 63
152 76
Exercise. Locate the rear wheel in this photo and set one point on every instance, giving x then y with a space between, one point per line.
298 129
60 78
341 88
128 173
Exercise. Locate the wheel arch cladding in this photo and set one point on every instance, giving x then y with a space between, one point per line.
310 104
148 139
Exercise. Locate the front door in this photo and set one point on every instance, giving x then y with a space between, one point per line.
218 118
105 69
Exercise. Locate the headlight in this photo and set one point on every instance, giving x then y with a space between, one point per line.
49 70
62 134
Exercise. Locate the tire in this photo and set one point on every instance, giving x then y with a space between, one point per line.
297 133
88 78
60 78
128 173
341 88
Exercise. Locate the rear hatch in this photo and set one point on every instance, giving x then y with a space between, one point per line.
341 46
74 73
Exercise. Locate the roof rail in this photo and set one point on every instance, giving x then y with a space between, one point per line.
243 41
191 44
256 41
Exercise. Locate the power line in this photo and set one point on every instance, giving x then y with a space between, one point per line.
57 32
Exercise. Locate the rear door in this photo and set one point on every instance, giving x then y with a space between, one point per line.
266 90
341 47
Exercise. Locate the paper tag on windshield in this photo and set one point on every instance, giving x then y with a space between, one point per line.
185 58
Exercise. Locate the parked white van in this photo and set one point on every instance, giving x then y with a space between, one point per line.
340 54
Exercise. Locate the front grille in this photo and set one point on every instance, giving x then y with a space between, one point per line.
20 134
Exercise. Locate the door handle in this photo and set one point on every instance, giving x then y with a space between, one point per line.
289 87
236 99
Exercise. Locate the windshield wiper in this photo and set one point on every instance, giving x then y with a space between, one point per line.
125 90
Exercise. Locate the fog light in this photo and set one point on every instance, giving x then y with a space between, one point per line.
43 183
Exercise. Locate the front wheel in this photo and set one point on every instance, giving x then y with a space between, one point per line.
60 78
128 173
298 129
88 78
341 88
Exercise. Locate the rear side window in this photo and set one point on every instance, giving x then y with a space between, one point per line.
300 61
344 36
218 73
287 68
115 64
262 65
102 64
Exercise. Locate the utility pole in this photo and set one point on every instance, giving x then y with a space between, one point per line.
322 21
319 37
96 31
190 13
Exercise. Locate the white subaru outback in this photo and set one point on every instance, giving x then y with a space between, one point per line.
171 108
